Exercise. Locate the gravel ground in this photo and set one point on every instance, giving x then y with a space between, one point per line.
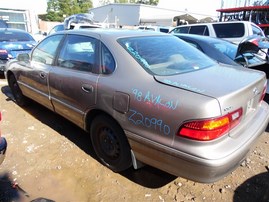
50 159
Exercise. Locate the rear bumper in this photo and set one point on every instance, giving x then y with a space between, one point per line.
200 168
3 148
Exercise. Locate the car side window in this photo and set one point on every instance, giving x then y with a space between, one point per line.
45 52
181 30
200 30
257 31
107 61
78 53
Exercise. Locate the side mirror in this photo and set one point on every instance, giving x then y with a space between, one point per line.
23 57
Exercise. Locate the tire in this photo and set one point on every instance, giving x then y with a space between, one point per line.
20 99
110 143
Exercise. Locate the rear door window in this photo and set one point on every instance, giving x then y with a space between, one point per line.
229 30
78 53
200 30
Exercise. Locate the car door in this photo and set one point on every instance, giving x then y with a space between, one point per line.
73 83
36 76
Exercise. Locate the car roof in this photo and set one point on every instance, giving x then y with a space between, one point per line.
201 38
213 23
114 33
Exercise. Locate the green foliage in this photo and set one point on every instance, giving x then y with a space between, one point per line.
57 10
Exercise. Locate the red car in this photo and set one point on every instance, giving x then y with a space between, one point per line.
3 145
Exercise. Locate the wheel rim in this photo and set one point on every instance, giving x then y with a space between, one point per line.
109 143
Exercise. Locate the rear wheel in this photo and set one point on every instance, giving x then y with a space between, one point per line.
20 99
110 143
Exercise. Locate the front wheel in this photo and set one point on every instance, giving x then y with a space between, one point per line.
20 99
110 143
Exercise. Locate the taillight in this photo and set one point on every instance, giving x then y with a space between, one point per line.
210 129
263 92
3 51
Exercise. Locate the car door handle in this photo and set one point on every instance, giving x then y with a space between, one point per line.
42 75
87 88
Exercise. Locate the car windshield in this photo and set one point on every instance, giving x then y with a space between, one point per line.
165 55
7 35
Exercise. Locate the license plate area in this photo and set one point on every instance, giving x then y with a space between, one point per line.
252 104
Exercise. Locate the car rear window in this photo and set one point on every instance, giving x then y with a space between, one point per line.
229 30
15 36
165 55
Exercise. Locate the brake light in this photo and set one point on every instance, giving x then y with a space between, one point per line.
210 129
255 42
263 92
3 51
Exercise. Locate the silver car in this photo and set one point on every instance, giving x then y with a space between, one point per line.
146 97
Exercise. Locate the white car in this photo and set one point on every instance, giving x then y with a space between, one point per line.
234 31
60 27
76 21
155 28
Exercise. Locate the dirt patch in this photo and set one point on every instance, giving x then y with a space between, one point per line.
50 158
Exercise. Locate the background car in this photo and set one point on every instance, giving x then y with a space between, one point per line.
60 27
154 28
76 21
3 145
177 110
244 54
13 42
234 31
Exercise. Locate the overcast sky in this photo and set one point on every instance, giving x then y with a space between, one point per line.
207 7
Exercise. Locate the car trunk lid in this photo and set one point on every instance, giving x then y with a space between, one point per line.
234 88
13 49
253 44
